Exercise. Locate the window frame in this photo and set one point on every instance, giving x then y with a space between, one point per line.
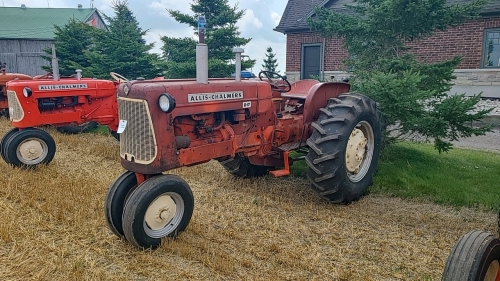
485 46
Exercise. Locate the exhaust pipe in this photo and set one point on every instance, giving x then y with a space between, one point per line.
238 52
202 63
201 53
55 65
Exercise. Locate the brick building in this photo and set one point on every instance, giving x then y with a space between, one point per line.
477 41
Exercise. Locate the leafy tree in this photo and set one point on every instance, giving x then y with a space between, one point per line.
221 35
412 95
123 49
71 42
270 62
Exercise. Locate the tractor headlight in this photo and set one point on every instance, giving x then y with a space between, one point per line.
166 103
27 92
126 89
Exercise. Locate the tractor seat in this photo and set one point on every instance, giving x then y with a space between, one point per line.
300 89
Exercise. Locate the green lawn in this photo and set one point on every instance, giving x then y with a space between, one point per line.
461 177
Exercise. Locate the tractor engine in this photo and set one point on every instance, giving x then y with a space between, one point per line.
49 104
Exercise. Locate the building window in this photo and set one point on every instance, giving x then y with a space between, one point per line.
491 50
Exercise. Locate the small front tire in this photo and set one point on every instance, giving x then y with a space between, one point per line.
4 141
29 148
114 203
160 207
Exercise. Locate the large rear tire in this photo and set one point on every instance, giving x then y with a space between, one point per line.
240 166
475 257
344 148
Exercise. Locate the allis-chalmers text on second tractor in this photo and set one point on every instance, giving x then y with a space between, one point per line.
249 126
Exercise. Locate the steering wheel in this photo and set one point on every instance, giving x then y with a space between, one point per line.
44 76
119 78
275 86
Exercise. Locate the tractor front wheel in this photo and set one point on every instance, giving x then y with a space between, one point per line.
28 148
160 207
4 140
344 148
240 166
475 257
116 196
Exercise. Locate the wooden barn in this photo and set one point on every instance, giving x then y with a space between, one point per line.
25 32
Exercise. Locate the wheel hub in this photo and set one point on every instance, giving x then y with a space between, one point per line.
493 272
160 212
31 149
355 151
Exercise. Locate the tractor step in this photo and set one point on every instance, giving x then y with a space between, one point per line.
286 170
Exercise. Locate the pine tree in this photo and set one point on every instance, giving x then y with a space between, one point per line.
412 95
71 41
270 62
221 35
123 49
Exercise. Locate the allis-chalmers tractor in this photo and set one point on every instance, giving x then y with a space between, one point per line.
249 126
4 78
58 102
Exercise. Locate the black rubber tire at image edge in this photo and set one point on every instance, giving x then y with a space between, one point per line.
142 197
326 158
471 257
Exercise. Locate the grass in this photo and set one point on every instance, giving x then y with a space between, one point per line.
459 178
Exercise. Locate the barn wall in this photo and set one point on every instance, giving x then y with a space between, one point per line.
23 56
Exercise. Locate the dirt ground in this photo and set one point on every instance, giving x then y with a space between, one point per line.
52 227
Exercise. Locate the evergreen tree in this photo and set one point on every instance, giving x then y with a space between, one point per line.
221 35
71 41
123 49
270 62
412 95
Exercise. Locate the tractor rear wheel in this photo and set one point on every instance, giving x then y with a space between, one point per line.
240 166
4 140
29 148
116 196
475 257
160 207
344 148
77 128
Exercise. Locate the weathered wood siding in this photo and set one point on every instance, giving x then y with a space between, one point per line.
23 56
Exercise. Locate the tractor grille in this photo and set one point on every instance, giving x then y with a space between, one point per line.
137 142
16 112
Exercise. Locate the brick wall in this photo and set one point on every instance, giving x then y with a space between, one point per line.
334 54
465 40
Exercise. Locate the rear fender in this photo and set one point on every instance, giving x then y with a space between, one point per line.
318 97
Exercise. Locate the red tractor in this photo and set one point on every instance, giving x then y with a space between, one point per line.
57 102
4 78
249 126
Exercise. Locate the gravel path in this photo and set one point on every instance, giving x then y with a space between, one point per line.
490 141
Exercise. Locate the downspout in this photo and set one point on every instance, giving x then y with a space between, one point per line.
322 60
